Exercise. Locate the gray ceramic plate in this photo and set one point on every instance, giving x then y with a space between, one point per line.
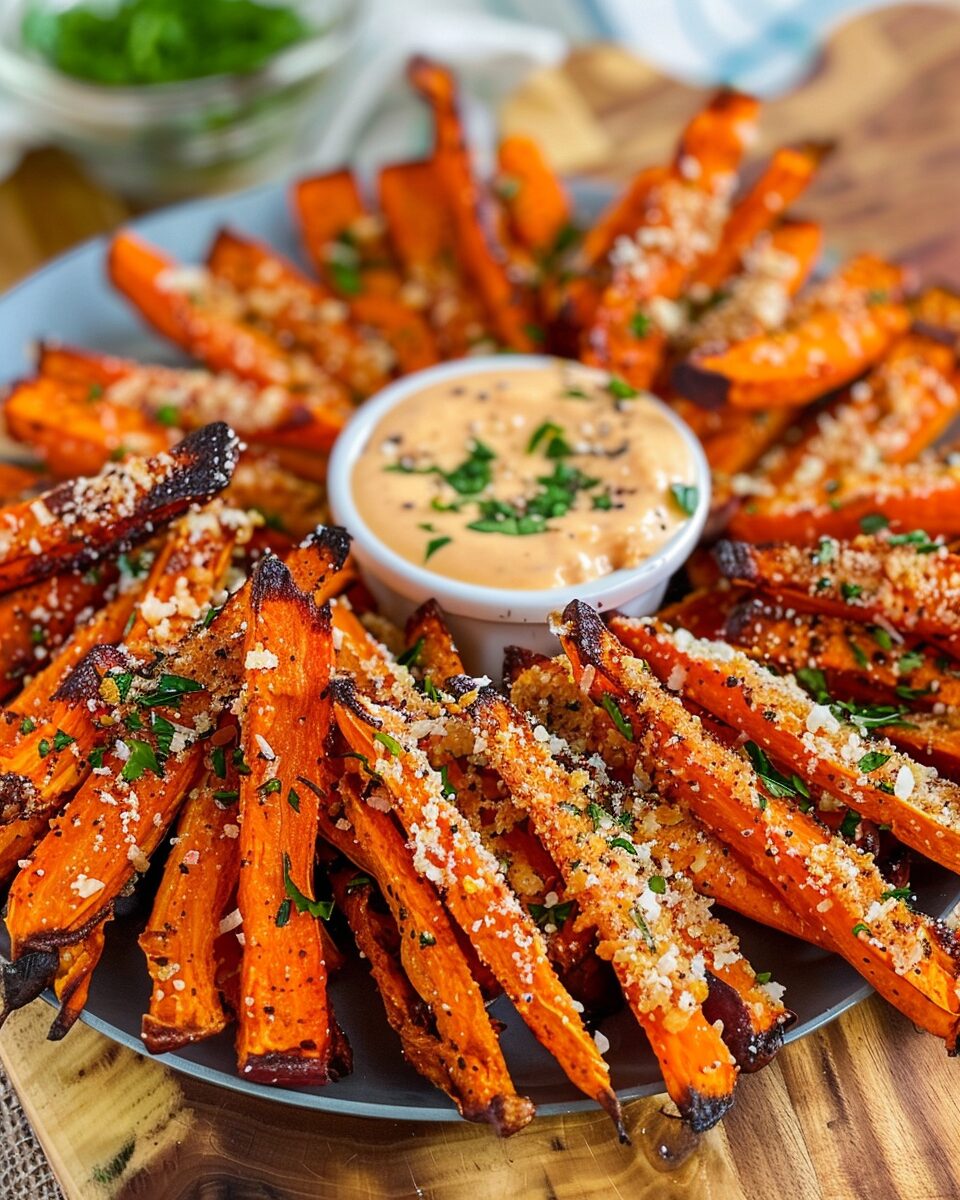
71 300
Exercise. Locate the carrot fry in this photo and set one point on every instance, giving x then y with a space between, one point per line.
78 523
279 298
821 743
863 580
924 495
846 326
536 204
72 982
287 1032
622 218
75 435
203 324
449 853
430 648
38 619
789 173
509 308
465 1052
615 883
936 313
681 223
907 957
348 250
198 880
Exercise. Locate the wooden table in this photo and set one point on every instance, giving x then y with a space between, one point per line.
864 1108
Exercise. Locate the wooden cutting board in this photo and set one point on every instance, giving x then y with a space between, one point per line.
865 1108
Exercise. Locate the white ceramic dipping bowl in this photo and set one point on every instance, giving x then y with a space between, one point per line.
485 620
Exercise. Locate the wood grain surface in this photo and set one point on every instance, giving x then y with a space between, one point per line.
865 1108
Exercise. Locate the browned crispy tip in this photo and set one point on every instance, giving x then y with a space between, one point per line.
586 630
517 659
735 560
271 580
333 541
751 1048
24 980
709 389
343 691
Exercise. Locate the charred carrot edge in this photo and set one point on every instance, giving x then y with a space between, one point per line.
915 496
698 1070
465 1048
846 327
286 1028
76 524
915 592
623 336
788 174
74 436
899 409
296 307
449 853
509 308
37 620
870 774
536 203
869 926
87 368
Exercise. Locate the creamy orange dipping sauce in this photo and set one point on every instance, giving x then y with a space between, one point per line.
525 479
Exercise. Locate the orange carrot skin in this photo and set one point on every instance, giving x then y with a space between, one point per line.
199 878
727 801
537 206
508 307
285 1024
474 891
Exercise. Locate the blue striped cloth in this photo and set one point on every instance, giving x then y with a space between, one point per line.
762 46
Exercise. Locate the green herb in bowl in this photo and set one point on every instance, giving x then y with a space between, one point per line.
161 41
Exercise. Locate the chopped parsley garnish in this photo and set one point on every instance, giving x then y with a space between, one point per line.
874 522
637 919
446 787
163 732
619 389
62 740
226 796
882 637
850 591
316 908
365 763
411 656
871 761
602 501
270 787
169 689
434 545
430 689
613 711
850 824
813 680
596 814
774 782
826 551
38 635
218 760
898 893
474 473
43 748
551 916
27 725
283 913
657 883
167 414
686 496
640 324
239 762
142 758
859 657
211 615
346 278
358 881
95 757
910 693
293 799
913 660
622 843
391 744
860 928
764 976
427 939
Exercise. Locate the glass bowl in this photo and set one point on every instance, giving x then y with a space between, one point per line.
162 142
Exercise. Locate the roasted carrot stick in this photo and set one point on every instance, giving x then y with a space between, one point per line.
78 523
199 878
901 583
509 308
936 313
823 744
536 203
923 495
430 648
209 331
449 853
622 218
74 435
36 620
680 225
908 958
281 299
845 327
789 173
468 1062
287 1032
422 236
618 896
347 247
